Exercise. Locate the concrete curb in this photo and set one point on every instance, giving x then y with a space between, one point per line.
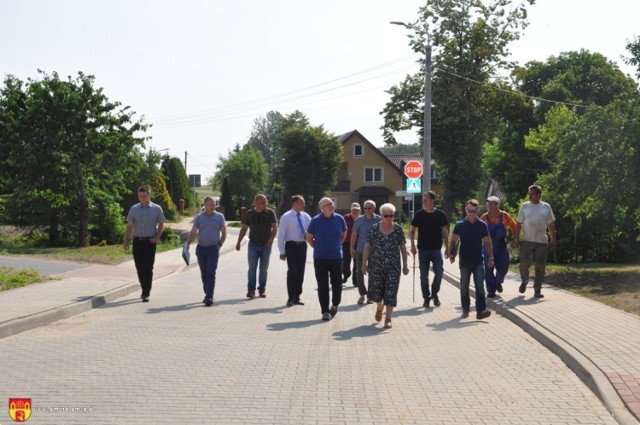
582 366
32 321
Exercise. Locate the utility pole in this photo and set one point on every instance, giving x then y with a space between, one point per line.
426 154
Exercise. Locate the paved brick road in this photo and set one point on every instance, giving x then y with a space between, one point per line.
258 362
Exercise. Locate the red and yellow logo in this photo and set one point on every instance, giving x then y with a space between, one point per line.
20 409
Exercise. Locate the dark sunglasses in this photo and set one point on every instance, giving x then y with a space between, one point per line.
387 215
473 211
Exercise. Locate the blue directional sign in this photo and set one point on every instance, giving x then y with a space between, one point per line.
414 185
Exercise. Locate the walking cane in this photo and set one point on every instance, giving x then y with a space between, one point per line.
414 277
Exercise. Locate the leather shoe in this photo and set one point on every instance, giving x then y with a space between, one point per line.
491 295
208 301
436 301
465 314
426 303
523 287
333 311
483 315
289 303
499 287
538 295
145 299
298 302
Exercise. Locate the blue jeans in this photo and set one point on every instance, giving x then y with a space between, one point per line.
494 275
258 253
478 276
433 256
208 263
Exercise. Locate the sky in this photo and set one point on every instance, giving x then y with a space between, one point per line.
201 72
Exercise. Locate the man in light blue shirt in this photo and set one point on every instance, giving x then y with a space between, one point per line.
210 227
359 233
293 247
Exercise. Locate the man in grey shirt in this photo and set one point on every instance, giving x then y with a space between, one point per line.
146 221
359 233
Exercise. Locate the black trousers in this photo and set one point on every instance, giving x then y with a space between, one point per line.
144 255
346 263
296 253
328 270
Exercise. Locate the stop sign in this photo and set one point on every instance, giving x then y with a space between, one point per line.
413 170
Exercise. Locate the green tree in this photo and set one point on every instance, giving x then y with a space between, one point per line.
226 200
470 40
246 172
311 158
66 150
592 185
266 137
581 78
177 181
634 48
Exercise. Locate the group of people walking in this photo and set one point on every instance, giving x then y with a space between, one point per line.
375 243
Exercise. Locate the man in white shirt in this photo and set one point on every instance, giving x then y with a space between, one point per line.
534 218
293 247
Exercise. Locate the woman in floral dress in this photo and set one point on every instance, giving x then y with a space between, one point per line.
381 258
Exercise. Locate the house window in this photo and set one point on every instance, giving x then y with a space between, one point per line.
373 175
358 150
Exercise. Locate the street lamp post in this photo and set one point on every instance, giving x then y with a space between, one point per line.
426 165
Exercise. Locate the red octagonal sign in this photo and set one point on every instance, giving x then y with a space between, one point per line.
413 170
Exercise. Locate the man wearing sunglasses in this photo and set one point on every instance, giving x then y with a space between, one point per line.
472 233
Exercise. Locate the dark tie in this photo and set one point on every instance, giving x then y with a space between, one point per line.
301 226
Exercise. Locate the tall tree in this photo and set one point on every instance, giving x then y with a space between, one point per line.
266 137
305 149
470 40
177 181
581 78
246 172
634 48
592 180
63 143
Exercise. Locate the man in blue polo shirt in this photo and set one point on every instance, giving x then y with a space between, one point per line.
325 234
210 227
472 233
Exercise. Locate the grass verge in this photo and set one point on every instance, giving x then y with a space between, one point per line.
12 278
616 285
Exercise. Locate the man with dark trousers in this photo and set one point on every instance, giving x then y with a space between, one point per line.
146 221
326 233
349 218
293 247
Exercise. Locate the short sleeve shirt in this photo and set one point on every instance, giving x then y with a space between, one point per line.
145 219
260 225
471 235
362 226
209 227
327 234
430 228
534 219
